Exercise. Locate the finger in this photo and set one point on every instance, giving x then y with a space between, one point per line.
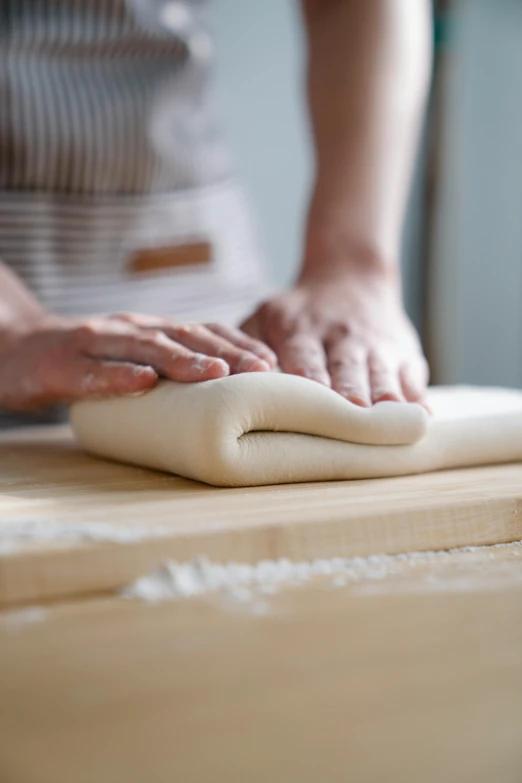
138 319
352 382
201 339
153 348
384 380
219 341
348 368
414 379
242 340
303 355
89 378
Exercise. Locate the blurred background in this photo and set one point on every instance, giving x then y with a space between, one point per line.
462 250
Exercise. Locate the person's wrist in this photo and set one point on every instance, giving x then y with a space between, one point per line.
331 256
333 246
17 326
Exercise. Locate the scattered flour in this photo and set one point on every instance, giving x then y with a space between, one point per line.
16 620
16 532
240 580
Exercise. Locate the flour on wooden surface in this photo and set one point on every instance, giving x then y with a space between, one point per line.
16 620
242 581
15 532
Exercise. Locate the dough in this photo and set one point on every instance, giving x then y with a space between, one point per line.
269 428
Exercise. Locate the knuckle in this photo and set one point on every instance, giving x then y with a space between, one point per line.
85 332
237 337
302 340
340 330
275 314
351 355
232 351
185 329
123 316
381 362
154 335
338 365
145 339
269 308
279 323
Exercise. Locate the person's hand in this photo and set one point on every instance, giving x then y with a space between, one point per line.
348 331
56 360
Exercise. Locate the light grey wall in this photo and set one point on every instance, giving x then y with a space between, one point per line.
476 284
259 79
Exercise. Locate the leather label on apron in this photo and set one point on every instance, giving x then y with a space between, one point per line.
163 258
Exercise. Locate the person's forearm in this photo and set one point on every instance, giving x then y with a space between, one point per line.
18 307
368 76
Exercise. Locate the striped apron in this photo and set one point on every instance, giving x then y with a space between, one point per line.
116 193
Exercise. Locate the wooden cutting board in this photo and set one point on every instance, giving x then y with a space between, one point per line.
416 675
414 678
77 514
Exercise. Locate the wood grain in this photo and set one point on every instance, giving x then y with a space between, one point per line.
44 476
327 684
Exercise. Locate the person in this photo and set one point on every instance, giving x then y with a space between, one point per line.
126 246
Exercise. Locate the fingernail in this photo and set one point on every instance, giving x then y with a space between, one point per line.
219 363
202 364
387 397
362 402
142 369
199 363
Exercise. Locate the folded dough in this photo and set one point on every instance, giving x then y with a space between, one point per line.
269 428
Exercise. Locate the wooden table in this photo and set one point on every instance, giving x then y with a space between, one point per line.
414 676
